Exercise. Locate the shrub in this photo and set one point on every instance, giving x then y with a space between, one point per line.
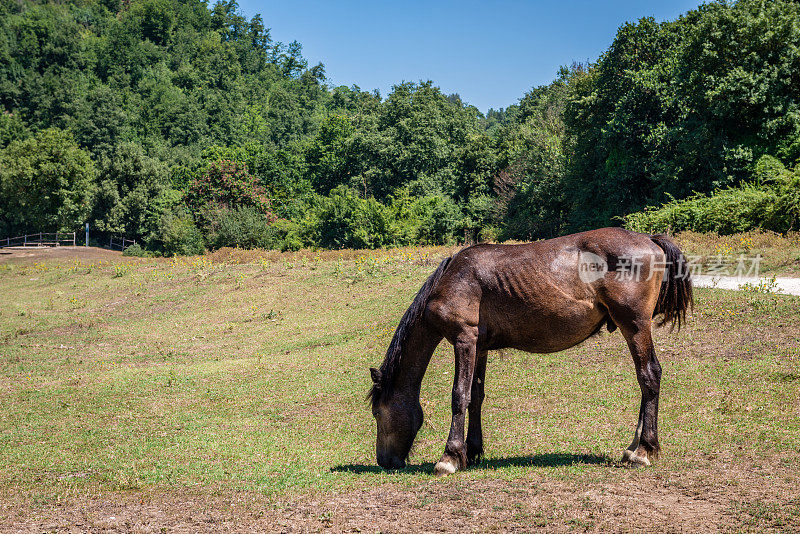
288 235
489 234
344 220
442 222
180 236
772 203
727 211
243 227
137 251
229 184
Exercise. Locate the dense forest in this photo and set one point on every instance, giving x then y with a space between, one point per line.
185 126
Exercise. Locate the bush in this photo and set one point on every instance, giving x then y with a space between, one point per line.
243 227
772 204
180 236
442 223
228 183
344 220
724 212
137 251
489 234
288 235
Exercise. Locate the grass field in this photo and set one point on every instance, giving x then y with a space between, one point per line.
780 254
226 392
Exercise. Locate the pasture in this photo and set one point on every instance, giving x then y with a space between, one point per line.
226 392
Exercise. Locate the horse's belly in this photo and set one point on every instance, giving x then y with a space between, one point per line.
543 333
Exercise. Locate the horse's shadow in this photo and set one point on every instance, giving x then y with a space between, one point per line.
537 460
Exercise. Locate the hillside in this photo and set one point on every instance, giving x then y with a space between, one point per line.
185 126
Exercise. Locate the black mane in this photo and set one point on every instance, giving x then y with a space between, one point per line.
391 363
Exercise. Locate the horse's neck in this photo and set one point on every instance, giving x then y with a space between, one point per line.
415 356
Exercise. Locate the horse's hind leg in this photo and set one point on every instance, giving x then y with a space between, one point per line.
474 431
455 451
648 373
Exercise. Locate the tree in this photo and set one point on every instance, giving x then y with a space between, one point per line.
329 157
46 184
133 192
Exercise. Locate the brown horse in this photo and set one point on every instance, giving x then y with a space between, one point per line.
539 297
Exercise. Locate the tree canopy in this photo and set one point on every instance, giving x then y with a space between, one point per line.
175 119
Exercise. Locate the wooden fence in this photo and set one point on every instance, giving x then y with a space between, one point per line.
41 239
120 243
57 239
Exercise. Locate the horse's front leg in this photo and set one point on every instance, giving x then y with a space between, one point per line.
455 451
474 430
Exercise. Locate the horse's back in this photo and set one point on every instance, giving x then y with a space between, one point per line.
533 296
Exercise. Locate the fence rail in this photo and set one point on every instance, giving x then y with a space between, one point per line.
40 239
120 243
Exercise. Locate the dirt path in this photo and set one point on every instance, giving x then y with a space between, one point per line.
786 286
24 254
635 501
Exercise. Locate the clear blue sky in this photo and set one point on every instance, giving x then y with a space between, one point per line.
489 52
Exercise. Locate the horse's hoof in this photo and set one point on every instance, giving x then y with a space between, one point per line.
635 460
444 468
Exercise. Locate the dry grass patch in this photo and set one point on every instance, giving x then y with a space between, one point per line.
780 253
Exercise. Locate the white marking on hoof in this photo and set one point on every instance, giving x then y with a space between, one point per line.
444 468
635 460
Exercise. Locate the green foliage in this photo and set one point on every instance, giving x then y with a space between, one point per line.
228 184
46 184
179 236
530 189
279 172
442 221
287 234
726 211
344 220
137 251
134 190
687 106
12 128
172 119
774 205
243 227
330 156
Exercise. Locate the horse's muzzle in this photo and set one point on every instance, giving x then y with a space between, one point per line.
391 462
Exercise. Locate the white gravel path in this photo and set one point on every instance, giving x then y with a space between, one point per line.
786 286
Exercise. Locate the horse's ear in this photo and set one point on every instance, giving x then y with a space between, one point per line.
376 375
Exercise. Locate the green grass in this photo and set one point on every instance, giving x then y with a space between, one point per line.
252 377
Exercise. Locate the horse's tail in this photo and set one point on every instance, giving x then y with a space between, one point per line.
675 296
382 378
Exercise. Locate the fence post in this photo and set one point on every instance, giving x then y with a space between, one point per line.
87 235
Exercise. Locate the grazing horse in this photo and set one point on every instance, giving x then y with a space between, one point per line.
538 297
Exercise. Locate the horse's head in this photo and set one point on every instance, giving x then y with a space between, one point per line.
399 418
